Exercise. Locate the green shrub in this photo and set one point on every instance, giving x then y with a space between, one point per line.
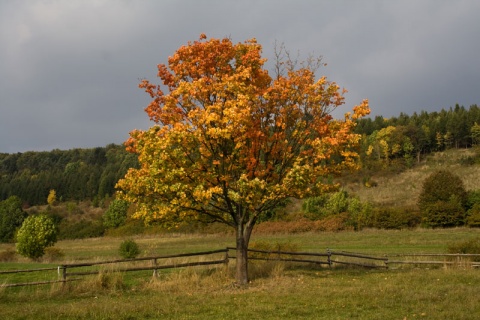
443 199
116 214
444 214
129 249
359 214
395 218
81 229
473 197
314 208
36 234
473 216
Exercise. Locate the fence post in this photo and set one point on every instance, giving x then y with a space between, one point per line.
329 257
63 274
226 257
154 262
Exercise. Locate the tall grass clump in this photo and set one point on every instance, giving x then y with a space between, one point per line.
471 246
8 255
191 280
129 249
107 281
269 268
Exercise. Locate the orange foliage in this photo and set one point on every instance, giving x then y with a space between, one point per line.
230 142
229 137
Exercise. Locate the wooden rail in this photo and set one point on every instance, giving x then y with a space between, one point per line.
154 266
330 257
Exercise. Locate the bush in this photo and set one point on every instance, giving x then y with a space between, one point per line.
129 249
444 214
81 229
359 214
314 208
443 199
337 202
473 197
116 214
395 218
36 234
473 216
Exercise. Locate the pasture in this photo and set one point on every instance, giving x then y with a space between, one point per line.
277 290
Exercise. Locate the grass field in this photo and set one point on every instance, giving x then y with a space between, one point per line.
276 291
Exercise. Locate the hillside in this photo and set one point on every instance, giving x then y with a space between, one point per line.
402 189
393 189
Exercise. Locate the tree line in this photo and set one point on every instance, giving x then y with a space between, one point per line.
409 137
91 174
75 175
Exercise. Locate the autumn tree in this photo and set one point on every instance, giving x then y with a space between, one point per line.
230 142
52 197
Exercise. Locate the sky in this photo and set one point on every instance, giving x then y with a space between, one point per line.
69 69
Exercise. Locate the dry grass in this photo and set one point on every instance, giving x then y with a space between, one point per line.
277 290
291 294
403 189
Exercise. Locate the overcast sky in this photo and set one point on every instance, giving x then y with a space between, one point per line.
69 69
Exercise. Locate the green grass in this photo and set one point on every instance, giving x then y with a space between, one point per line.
298 294
276 291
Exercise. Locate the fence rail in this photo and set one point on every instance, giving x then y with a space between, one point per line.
329 258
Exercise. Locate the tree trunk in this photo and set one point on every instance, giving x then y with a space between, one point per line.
243 237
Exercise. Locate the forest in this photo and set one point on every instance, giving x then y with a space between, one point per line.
75 175
91 174
409 137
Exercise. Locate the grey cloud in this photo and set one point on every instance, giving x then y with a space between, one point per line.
70 69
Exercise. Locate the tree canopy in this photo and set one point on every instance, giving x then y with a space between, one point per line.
11 217
36 233
230 142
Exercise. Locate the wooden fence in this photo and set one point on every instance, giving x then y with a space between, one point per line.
446 259
71 272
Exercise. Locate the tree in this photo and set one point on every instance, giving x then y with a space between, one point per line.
443 199
475 134
11 217
52 197
116 214
231 143
37 233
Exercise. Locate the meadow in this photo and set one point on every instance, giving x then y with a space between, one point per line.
276 291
